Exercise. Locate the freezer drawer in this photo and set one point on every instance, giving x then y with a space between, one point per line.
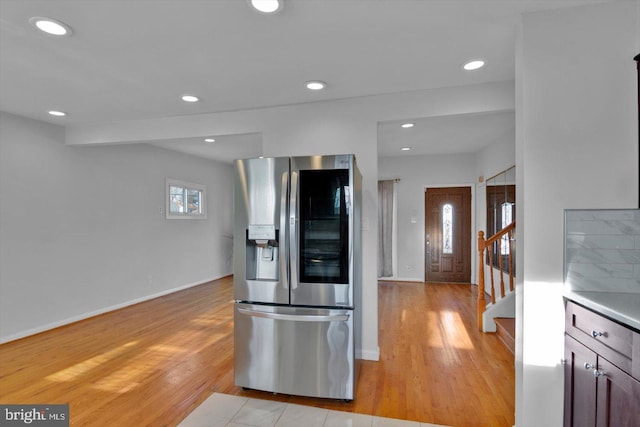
295 350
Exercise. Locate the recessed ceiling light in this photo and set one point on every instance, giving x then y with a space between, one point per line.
209 140
50 26
473 65
315 85
266 6
407 125
57 113
406 148
190 98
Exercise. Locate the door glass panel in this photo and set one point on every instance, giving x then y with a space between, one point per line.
324 226
447 229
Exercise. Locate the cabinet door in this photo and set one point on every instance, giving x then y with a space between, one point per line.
579 385
618 397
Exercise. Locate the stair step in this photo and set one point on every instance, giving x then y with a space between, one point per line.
506 330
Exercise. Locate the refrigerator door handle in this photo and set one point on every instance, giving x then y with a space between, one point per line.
295 317
293 231
284 250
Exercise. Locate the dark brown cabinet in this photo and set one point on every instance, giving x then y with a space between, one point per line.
618 402
580 384
600 389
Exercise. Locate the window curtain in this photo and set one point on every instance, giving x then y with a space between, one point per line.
385 228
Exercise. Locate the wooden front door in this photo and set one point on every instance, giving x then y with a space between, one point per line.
448 234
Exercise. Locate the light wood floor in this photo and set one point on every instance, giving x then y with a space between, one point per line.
152 363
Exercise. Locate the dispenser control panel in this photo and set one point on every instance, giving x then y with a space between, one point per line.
262 232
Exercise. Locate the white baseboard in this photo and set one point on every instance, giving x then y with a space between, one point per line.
372 354
83 316
400 279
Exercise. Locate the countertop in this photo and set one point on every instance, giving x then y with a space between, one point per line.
621 307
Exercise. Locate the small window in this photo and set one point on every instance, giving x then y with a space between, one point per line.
185 200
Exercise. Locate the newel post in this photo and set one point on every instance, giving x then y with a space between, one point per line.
482 304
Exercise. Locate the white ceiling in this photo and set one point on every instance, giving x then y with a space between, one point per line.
225 148
460 133
132 60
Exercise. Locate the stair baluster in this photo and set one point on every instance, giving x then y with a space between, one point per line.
492 242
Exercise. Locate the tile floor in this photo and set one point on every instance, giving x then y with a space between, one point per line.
223 410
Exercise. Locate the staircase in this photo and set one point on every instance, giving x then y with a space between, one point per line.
496 253
506 331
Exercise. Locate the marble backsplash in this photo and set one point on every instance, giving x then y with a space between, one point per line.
602 250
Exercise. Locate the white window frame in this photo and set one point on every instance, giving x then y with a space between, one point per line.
170 182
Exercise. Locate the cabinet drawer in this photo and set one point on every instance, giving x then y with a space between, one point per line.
608 338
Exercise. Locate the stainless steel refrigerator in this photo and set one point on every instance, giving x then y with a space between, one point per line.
297 275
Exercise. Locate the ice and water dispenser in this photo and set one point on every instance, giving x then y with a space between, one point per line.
262 252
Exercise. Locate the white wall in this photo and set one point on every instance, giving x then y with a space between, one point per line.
498 156
338 128
81 228
332 127
576 147
492 160
416 173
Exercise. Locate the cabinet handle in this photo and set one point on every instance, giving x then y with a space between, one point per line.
597 373
589 366
596 334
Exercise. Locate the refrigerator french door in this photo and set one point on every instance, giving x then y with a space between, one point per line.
296 274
